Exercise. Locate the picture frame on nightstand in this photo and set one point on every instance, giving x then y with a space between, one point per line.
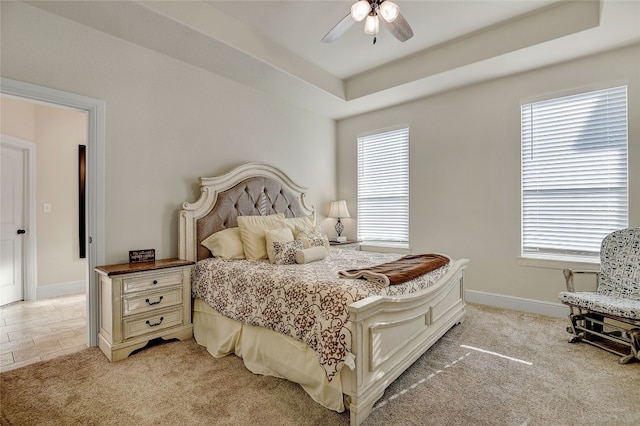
138 256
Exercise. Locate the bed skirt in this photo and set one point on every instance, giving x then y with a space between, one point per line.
266 352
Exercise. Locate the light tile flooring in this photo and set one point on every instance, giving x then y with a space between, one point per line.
38 330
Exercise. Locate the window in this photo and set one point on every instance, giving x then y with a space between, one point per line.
383 187
574 173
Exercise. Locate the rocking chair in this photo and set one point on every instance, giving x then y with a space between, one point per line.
611 314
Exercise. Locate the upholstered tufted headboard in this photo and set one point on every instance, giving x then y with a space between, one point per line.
249 190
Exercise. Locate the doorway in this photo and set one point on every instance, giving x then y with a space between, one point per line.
94 109
52 222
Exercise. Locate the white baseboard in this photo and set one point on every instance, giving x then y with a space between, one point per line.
62 289
533 306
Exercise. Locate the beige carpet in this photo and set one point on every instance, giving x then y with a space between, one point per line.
537 378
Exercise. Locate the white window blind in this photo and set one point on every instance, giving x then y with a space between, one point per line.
383 187
574 173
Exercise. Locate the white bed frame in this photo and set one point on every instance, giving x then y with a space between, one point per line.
388 333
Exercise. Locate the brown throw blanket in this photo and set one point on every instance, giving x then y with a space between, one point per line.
398 271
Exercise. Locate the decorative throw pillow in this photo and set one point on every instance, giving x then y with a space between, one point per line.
300 222
225 244
252 232
316 241
280 235
285 252
308 232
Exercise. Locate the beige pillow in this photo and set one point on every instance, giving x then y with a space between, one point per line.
308 232
252 233
300 222
280 235
226 244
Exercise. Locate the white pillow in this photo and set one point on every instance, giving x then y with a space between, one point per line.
308 232
300 222
280 235
310 254
252 233
226 244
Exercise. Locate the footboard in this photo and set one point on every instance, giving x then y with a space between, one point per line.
390 333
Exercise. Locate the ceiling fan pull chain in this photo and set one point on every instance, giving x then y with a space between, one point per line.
374 40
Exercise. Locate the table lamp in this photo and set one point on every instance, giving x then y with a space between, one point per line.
339 210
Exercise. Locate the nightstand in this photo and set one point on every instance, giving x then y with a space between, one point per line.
143 301
349 244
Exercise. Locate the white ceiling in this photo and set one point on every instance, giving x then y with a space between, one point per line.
275 46
299 26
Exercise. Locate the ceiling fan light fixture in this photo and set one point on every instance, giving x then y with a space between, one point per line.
393 20
389 11
372 24
360 10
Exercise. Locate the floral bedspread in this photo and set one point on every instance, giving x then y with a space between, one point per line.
307 302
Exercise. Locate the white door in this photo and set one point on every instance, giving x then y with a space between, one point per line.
11 235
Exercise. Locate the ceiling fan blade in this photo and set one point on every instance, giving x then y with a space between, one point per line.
339 29
400 28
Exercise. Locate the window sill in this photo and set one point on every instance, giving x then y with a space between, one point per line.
554 263
385 247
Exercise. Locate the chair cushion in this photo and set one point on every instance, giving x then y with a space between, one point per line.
601 303
620 264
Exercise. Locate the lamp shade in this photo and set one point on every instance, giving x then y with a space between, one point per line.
339 209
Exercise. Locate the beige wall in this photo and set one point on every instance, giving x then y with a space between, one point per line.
465 168
167 123
18 119
56 133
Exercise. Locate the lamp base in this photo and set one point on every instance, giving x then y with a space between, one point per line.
341 239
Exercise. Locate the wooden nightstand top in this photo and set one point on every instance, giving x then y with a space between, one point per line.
335 243
129 268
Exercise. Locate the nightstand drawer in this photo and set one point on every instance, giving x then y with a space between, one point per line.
136 326
139 303
155 280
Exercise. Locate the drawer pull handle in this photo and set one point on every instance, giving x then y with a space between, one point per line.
154 303
155 281
155 324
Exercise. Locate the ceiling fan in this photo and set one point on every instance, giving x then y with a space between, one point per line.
372 10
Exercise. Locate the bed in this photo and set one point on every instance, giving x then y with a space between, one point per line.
344 349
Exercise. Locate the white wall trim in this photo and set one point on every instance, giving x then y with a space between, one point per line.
533 306
95 109
62 289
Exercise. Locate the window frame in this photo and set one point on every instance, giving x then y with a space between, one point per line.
552 258
384 239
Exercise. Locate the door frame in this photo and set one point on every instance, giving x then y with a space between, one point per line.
95 109
29 252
